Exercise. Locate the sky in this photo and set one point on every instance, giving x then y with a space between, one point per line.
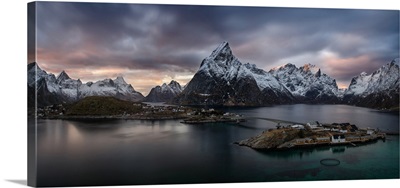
152 44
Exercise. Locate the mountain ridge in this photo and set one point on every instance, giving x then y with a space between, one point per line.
380 89
307 83
289 84
164 93
222 79
63 89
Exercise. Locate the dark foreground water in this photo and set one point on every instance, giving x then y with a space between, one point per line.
121 152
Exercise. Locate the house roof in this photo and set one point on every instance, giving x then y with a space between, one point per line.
354 127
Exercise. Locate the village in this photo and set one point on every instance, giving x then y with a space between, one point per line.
312 134
148 111
315 133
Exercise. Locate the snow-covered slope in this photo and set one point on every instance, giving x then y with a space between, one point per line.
378 89
164 93
223 80
42 87
65 89
117 88
359 84
307 83
385 78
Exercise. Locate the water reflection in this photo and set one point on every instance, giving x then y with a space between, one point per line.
338 149
294 153
121 152
362 117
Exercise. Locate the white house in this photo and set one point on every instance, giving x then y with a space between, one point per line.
343 131
338 138
297 126
335 130
312 125
370 131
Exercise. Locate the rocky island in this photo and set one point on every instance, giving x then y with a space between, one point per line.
312 135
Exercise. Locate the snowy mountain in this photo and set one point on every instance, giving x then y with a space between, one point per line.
307 83
53 90
164 93
378 89
42 87
223 80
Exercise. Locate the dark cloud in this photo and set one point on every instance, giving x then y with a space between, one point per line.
171 39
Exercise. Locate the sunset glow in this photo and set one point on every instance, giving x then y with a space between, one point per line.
153 44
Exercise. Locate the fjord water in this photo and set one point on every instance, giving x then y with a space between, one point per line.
120 152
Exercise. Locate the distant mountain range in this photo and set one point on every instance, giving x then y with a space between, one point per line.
164 93
223 80
63 89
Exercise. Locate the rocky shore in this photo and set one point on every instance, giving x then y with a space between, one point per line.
272 139
300 136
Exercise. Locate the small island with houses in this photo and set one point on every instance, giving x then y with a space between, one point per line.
312 134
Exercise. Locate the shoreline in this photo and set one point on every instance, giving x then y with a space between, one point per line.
315 145
111 117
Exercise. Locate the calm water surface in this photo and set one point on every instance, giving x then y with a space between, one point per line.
121 152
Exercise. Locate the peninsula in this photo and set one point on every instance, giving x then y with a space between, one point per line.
100 107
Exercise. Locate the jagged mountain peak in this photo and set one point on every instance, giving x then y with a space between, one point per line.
173 82
307 82
226 81
174 85
384 78
107 80
318 74
378 89
306 68
62 76
363 74
290 67
221 57
220 61
33 65
221 52
310 68
164 93
396 61
120 80
34 68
